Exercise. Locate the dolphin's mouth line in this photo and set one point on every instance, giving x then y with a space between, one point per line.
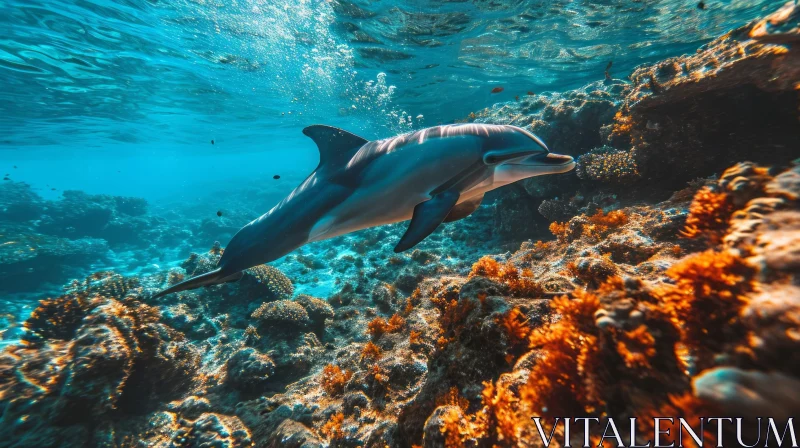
546 159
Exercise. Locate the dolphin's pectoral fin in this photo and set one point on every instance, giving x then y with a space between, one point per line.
464 209
336 146
233 277
427 217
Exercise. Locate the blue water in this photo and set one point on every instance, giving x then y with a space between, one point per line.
124 97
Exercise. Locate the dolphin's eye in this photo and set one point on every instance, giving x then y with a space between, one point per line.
491 159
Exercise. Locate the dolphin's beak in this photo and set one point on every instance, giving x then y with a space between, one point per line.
546 159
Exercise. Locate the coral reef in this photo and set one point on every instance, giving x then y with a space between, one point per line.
91 360
744 80
669 126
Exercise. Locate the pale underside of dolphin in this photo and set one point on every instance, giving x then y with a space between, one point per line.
431 176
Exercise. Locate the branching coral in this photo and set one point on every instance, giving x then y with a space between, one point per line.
516 326
519 284
379 326
708 215
451 320
706 300
569 349
486 267
592 227
688 407
396 323
415 337
332 429
371 352
333 379
560 230
637 347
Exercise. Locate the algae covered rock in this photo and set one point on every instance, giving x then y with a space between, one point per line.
318 310
283 314
248 369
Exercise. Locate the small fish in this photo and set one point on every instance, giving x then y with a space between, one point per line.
497 90
608 67
516 98
15 167
53 189
701 5
219 212
530 93
212 142
276 177
6 178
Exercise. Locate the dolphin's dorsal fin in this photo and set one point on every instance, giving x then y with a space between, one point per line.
336 146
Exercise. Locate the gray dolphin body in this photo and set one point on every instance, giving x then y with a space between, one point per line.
431 176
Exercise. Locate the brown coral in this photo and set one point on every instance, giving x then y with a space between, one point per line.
708 215
706 300
334 379
486 267
377 327
332 429
371 352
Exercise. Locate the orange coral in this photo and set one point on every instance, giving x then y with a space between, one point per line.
594 227
371 352
452 318
568 348
599 224
486 267
560 230
614 218
708 215
691 409
409 306
705 301
377 327
332 429
415 337
519 285
452 397
456 427
622 124
60 317
396 323
501 419
516 327
525 285
334 379
376 374
637 347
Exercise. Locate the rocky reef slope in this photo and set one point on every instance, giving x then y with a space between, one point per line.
670 285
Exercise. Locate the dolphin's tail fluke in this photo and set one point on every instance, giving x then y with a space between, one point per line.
214 277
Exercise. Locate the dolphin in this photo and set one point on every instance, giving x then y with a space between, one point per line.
431 176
